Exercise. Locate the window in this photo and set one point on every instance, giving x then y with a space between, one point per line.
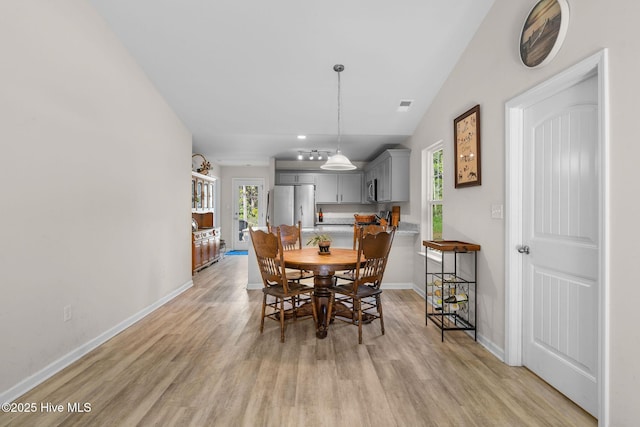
432 158
435 193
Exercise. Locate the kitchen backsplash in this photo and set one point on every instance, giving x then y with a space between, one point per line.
343 214
339 217
336 220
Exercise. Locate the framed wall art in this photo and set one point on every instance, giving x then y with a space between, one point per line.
466 131
543 32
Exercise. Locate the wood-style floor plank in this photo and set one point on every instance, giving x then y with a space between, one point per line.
200 360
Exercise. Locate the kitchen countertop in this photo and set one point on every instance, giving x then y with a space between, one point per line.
403 229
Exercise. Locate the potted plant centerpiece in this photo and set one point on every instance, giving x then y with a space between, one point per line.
323 241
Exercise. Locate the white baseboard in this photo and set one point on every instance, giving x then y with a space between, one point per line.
491 347
27 384
397 285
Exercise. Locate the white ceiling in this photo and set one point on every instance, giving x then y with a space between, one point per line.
247 76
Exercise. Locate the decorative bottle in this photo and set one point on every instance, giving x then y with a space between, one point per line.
320 216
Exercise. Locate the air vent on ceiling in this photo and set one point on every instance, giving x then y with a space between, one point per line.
405 104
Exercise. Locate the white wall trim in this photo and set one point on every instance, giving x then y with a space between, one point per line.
596 64
39 377
254 286
397 285
491 347
418 290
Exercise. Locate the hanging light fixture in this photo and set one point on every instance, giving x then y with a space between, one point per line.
338 161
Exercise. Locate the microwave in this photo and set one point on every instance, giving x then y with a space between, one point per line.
372 190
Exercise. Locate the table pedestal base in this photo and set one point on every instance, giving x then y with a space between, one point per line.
322 297
323 267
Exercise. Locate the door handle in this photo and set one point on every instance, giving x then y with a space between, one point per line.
523 249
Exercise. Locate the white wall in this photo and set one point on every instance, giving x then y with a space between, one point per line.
490 73
95 183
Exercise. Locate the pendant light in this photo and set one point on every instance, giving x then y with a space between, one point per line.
338 161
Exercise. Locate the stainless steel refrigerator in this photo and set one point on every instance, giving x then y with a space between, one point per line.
289 204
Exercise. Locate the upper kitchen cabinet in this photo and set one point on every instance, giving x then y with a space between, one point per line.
339 187
391 172
294 178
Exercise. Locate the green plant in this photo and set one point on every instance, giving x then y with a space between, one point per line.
317 238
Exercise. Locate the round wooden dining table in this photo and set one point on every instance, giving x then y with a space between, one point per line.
324 267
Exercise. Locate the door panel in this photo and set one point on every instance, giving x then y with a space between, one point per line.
559 300
560 226
351 188
327 188
249 210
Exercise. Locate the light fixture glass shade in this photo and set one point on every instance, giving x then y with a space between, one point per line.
338 162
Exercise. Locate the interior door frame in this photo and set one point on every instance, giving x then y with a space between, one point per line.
262 208
597 65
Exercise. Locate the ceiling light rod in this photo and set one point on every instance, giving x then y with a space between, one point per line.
338 162
338 68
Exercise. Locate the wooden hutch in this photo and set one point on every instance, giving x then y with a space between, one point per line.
205 237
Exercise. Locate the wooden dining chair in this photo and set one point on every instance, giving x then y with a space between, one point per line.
349 275
363 293
269 253
291 238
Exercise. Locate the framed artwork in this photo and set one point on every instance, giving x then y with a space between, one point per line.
543 32
466 131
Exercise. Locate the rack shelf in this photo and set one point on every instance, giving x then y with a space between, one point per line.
450 301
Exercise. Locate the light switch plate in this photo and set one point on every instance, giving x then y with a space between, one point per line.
497 211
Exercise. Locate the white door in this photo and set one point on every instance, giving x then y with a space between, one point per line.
560 220
248 209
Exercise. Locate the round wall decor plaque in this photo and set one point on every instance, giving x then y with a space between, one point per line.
543 32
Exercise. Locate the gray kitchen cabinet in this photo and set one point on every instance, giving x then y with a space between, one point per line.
339 188
293 178
327 188
391 171
350 188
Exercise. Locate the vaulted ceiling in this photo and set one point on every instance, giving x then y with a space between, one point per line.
247 77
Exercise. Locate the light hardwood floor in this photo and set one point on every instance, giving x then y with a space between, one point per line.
200 360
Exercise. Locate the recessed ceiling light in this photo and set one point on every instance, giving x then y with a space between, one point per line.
302 136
